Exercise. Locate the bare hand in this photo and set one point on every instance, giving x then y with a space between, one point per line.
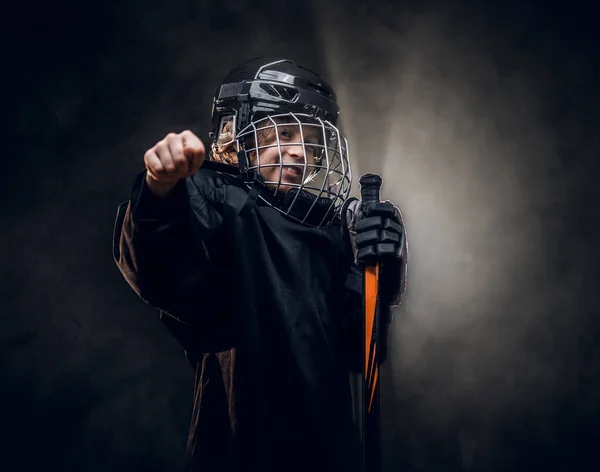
174 158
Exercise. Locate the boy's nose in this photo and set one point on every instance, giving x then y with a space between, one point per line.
296 151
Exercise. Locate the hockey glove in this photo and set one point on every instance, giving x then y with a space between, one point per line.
378 236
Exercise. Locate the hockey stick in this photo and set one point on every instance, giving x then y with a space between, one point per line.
370 185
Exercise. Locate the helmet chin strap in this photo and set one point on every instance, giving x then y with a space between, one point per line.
243 161
258 186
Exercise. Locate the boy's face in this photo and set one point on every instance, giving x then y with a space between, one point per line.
295 158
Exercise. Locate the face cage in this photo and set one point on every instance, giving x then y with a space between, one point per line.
331 164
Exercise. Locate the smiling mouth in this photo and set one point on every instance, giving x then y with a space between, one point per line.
295 171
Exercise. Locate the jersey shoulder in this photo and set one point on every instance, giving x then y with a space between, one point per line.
212 185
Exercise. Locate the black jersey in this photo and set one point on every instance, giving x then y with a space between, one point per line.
259 304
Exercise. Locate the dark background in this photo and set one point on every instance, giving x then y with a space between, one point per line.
482 118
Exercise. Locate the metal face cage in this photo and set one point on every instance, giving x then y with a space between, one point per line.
303 161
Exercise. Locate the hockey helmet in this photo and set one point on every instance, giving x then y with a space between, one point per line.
266 107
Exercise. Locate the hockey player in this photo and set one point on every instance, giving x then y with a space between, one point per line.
253 256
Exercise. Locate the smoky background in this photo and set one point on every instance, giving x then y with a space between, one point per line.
480 116
478 127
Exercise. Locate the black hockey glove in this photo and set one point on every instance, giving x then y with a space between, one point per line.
378 236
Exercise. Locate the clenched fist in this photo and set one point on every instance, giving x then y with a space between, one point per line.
174 158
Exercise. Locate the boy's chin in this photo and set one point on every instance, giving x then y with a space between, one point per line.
287 183
284 187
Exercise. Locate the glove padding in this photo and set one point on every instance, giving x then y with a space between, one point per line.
378 236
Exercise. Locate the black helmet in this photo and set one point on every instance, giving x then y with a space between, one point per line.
267 94
269 86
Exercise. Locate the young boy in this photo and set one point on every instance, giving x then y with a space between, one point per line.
254 258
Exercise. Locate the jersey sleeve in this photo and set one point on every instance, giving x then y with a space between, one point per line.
159 247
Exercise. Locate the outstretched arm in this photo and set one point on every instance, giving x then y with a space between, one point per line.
156 248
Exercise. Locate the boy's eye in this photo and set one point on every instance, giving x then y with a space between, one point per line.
286 133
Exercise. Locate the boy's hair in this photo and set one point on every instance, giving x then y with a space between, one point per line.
225 154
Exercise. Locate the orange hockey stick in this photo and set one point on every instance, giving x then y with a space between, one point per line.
370 187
